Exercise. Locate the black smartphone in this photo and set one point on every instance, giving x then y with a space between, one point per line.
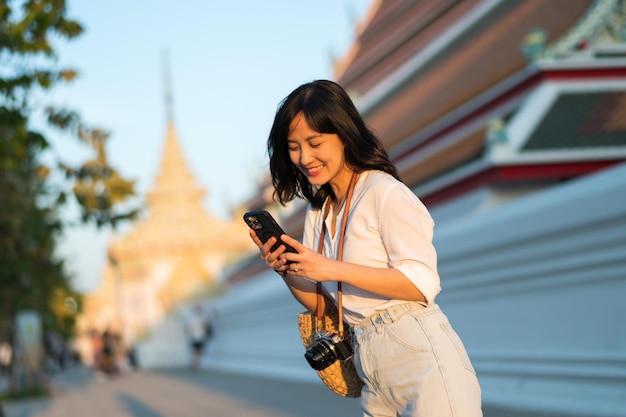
265 227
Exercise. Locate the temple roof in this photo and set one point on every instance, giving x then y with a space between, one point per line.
581 120
178 222
468 95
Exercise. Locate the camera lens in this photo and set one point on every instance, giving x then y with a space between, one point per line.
321 355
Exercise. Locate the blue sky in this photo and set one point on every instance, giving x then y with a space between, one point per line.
230 63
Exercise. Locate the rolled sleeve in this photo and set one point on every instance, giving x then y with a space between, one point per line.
406 229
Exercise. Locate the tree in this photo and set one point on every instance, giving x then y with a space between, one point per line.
30 275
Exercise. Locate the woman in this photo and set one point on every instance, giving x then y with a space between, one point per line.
410 359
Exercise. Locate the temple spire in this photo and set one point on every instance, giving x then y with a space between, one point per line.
167 83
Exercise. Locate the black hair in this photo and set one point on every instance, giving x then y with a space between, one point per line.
327 108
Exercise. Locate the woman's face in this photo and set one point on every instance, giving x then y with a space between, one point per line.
319 156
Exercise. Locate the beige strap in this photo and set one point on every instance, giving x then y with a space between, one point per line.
344 221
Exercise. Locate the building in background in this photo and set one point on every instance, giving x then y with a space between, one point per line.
177 254
508 119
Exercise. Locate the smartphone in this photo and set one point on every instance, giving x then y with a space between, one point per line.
265 227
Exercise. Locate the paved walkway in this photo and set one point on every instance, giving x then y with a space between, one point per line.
77 392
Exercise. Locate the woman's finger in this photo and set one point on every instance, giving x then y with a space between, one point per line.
293 243
255 238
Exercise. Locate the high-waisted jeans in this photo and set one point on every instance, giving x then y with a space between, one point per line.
414 364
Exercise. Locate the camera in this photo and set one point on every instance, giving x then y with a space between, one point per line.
328 348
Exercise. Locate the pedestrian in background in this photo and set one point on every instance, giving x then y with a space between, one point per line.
197 326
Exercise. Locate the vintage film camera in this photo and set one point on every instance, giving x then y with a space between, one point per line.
327 349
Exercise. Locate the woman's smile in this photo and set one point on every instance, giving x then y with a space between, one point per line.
319 156
313 171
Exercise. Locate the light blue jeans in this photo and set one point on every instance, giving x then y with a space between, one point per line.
414 364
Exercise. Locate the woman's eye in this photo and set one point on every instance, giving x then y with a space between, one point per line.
315 145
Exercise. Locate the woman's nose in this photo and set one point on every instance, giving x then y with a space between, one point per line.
305 156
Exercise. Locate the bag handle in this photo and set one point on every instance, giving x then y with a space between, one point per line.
344 221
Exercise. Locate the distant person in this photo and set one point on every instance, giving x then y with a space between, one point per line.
131 355
96 347
55 350
107 361
6 354
197 326
410 359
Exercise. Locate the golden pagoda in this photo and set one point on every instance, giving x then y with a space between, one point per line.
178 252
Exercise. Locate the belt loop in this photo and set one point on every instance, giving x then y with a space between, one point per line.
386 316
391 313
378 322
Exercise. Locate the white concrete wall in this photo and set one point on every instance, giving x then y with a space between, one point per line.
167 345
256 331
536 288
537 291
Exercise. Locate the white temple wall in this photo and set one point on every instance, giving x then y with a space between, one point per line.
534 287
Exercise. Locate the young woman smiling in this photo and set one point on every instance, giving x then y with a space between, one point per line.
410 359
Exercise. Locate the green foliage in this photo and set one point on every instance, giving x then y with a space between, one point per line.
30 275
36 392
28 269
98 187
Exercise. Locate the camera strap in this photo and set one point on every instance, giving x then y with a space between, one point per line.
319 314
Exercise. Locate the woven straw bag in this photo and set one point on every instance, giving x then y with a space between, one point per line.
341 376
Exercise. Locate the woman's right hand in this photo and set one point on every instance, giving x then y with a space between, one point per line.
304 290
272 259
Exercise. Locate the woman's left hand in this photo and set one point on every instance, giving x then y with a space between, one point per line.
308 263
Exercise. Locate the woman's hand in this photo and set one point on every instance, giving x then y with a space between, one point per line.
306 262
271 258
304 290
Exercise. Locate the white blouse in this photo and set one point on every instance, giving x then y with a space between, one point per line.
388 227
